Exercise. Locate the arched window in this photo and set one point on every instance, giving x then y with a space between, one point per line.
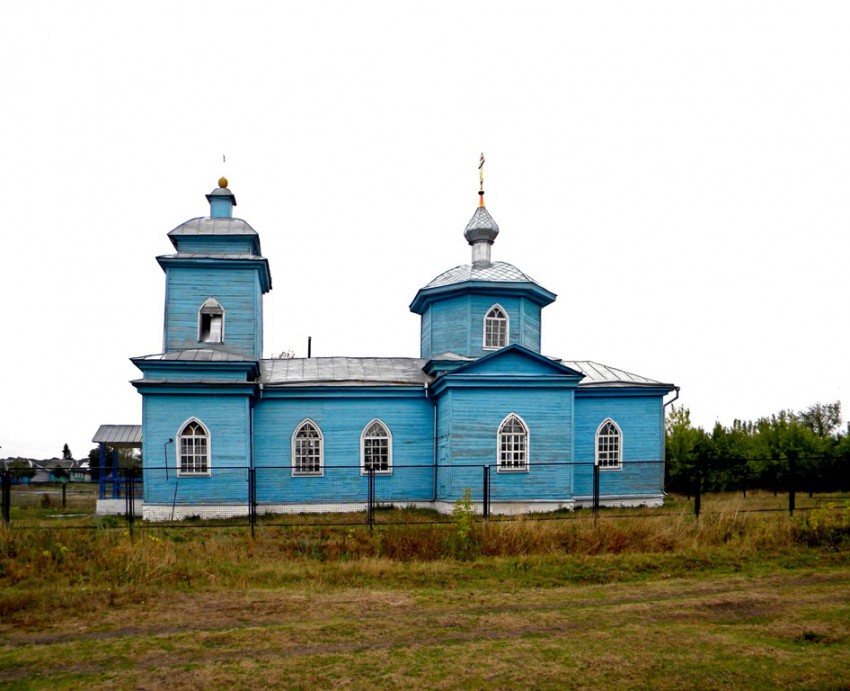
513 444
609 446
495 328
376 448
193 449
211 322
307 449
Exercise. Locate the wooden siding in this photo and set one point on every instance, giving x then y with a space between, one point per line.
425 350
512 363
476 415
242 244
210 372
226 418
342 420
530 326
641 421
457 323
238 292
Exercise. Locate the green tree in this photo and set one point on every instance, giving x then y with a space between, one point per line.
680 445
21 469
66 453
824 419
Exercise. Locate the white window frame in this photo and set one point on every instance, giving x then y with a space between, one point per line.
179 449
507 322
211 309
501 466
619 450
389 438
294 449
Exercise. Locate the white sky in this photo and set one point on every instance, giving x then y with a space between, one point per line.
679 173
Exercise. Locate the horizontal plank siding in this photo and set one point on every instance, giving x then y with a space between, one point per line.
641 422
341 421
476 416
216 244
228 422
237 291
457 323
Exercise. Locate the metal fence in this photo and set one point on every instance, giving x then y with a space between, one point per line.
349 495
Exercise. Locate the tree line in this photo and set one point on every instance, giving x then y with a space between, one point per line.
808 448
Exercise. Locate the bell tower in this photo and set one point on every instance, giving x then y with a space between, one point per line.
215 282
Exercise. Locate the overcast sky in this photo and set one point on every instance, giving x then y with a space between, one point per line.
678 173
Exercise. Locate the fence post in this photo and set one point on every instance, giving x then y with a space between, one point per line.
130 500
792 481
64 494
595 492
370 508
252 499
6 482
485 498
698 490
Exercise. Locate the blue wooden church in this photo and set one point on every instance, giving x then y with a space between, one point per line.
310 430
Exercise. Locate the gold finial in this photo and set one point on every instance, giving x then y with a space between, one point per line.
222 182
481 179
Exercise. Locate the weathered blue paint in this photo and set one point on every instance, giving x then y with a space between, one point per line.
235 286
227 417
221 202
241 244
640 416
480 395
341 419
453 421
455 324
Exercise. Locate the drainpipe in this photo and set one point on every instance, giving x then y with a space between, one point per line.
675 398
664 437
165 456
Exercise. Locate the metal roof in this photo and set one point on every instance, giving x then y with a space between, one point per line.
597 374
350 371
205 225
481 227
198 355
117 435
452 356
497 271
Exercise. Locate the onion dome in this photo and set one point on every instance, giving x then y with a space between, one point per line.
481 227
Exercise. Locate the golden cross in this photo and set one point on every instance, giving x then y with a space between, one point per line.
481 171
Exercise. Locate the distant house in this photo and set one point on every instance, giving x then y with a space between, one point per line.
50 470
480 394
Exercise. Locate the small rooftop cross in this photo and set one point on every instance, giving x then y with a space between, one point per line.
481 179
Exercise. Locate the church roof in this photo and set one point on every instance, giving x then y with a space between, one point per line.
598 375
197 355
215 226
205 225
497 271
339 371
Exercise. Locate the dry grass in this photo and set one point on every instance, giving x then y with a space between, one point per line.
744 600
776 629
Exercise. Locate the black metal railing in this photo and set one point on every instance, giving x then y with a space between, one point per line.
351 495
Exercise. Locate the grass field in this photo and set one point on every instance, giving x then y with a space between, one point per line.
742 601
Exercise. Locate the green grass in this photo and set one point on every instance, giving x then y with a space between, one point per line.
742 601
